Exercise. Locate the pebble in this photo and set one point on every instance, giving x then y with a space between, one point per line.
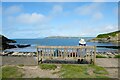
33 53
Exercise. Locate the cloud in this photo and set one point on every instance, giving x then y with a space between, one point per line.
25 23
56 10
98 15
110 28
107 28
27 19
33 18
12 10
92 10
87 9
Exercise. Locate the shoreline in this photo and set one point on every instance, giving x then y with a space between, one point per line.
34 54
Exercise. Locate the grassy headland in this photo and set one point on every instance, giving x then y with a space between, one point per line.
108 37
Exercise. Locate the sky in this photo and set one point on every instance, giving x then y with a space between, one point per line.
43 19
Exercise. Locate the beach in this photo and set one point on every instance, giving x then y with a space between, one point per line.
106 54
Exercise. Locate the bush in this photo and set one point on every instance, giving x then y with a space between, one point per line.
21 65
100 56
117 56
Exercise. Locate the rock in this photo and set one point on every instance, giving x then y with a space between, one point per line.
23 45
4 43
15 54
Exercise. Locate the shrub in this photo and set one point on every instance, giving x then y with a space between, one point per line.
117 56
21 65
100 56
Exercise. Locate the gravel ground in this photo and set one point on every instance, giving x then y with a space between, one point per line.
107 62
10 60
35 71
111 65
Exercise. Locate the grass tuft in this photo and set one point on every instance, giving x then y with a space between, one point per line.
11 72
82 71
48 66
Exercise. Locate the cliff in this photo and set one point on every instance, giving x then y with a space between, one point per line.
108 37
4 43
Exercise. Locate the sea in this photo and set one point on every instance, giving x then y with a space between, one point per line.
59 42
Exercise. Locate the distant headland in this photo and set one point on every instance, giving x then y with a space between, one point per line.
61 37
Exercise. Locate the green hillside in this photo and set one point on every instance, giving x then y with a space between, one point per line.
108 37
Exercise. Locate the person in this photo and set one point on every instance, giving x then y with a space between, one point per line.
82 42
82 52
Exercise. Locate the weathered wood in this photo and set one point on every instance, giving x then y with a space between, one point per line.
80 56
88 54
94 59
72 52
67 52
45 53
41 55
51 53
37 56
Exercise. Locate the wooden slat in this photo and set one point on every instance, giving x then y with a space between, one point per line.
65 53
80 56
48 53
75 53
86 56
42 53
45 53
61 53
68 53
72 52
89 54
51 53
94 55
37 57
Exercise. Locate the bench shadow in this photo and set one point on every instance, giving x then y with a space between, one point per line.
82 61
